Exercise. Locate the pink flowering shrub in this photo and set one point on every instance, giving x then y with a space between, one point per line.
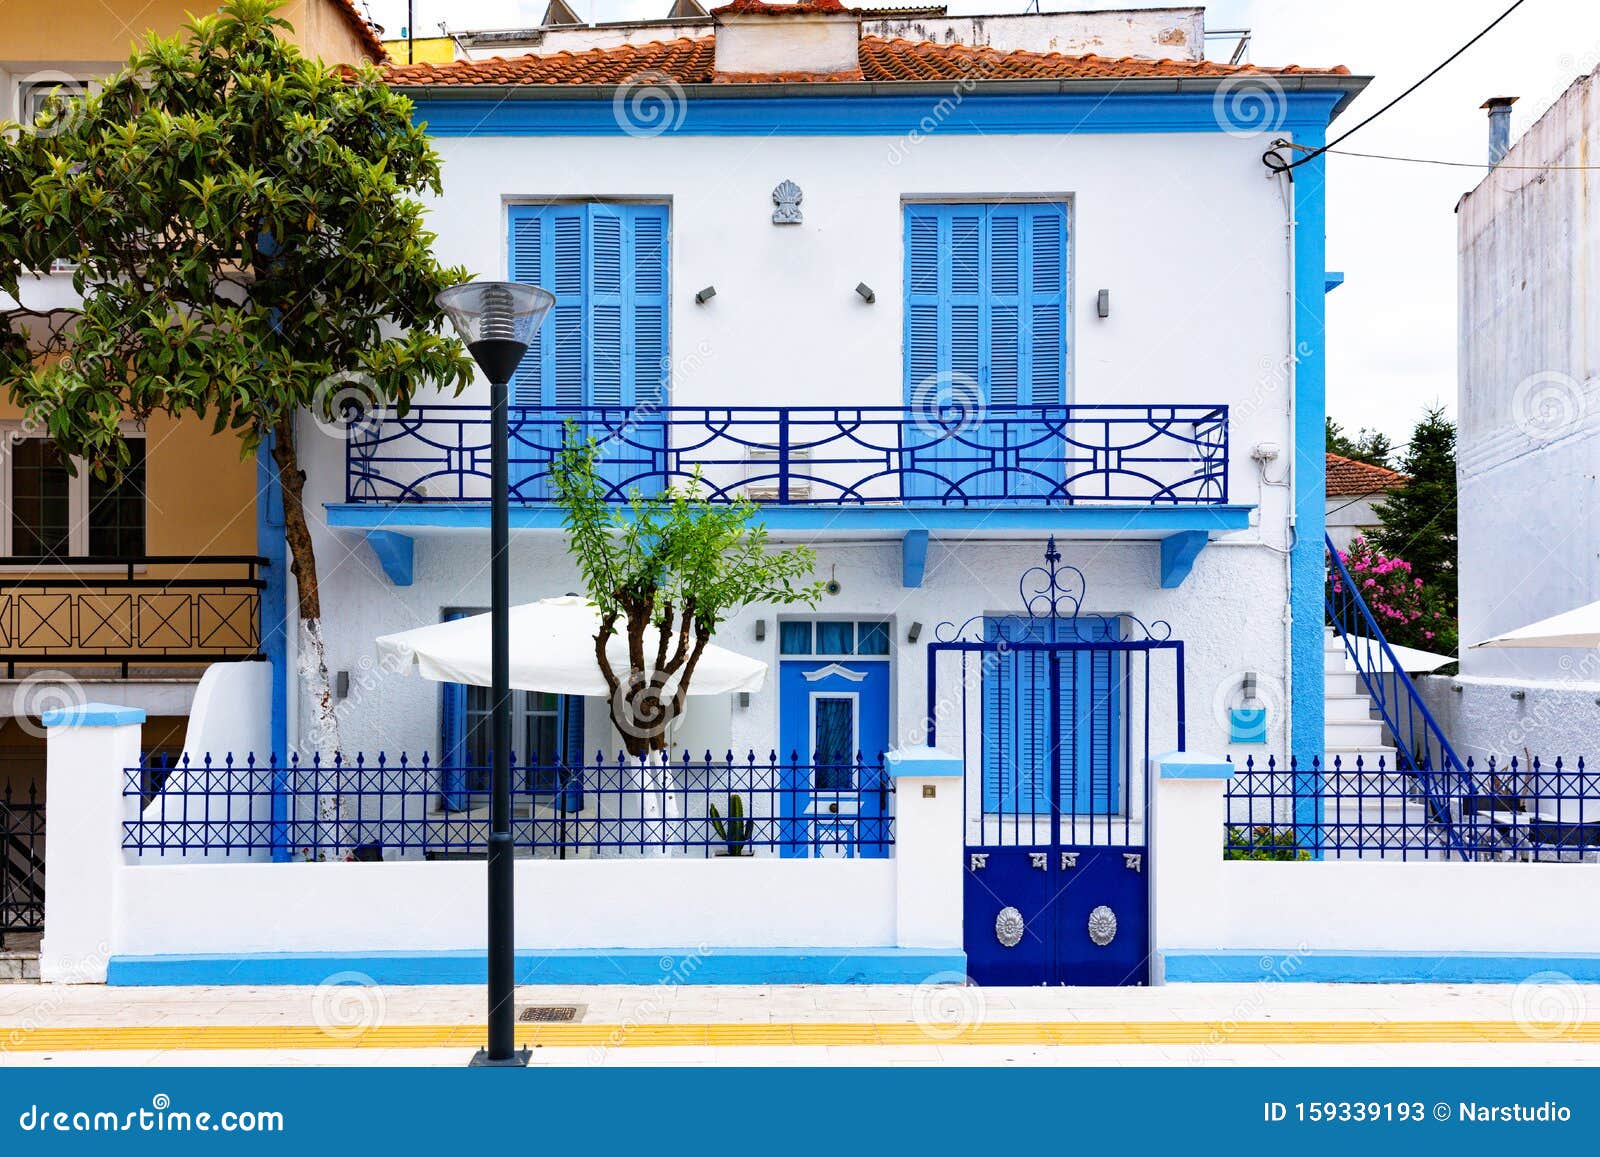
1392 593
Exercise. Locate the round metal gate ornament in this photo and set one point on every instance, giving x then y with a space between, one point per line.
1102 926
1008 927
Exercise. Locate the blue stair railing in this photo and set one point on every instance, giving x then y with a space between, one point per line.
1420 746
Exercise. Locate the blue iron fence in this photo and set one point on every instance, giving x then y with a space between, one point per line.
811 455
1378 809
385 809
21 862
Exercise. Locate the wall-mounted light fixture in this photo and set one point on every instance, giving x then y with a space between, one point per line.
705 295
744 699
341 685
1456 687
1102 303
864 291
1519 695
761 630
914 633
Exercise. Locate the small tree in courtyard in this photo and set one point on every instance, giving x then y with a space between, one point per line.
665 570
248 245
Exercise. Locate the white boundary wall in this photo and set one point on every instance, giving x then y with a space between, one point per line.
1204 903
103 902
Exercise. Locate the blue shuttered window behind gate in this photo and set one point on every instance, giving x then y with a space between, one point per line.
1017 738
605 342
985 325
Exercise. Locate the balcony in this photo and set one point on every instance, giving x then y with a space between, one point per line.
1137 471
126 616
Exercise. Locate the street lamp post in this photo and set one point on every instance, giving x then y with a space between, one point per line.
498 320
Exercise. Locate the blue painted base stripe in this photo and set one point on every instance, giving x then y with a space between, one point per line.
566 966
1288 966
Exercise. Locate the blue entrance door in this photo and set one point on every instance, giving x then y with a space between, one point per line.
834 727
985 350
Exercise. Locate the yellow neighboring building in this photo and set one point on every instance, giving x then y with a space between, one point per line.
423 50
124 594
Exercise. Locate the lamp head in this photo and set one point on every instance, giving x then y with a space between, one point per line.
497 320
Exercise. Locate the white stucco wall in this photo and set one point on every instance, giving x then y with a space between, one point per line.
1351 518
1196 270
1529 434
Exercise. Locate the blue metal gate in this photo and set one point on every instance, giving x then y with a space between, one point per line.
1058 712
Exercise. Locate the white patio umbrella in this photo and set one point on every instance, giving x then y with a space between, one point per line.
1574 628
552 650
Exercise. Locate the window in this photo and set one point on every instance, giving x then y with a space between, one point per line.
35 97
834 637
605 343
54 514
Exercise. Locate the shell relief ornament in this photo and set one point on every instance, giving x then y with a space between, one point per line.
786 198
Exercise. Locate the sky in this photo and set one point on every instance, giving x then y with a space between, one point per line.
1391 226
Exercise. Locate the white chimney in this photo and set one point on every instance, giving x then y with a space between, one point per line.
811 37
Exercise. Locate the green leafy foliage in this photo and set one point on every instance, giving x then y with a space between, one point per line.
1369 446
674 562
246 227
1263 843
1419 525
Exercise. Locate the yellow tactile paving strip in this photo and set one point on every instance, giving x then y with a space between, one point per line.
1070 1033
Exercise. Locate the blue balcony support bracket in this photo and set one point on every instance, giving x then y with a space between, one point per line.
913 558
1178 552
396 552
1332 280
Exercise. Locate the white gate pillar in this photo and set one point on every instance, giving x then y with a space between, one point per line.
927 847
88 748
1188 903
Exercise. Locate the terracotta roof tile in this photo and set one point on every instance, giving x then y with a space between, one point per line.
690 61
1348 478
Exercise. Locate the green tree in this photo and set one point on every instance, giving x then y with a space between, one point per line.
249 244
1419 524
1369 446
665 570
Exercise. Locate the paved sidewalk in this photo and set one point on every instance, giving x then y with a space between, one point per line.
346 1021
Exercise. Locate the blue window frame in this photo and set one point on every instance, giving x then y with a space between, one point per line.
834 637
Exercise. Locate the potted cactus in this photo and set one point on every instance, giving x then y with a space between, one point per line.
736 830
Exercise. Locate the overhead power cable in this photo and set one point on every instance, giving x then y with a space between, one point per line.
1276 163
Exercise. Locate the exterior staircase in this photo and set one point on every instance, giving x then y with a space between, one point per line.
19 957
1351 728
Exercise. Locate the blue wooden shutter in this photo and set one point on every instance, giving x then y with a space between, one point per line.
1091 720
649 305
453 740
527 261
572 752
1046 273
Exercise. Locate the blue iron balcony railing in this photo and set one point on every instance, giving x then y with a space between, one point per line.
1173 456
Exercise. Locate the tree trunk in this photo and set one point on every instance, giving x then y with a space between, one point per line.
320 723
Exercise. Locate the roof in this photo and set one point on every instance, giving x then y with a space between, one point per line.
798 8
364 31
690 61
1348 478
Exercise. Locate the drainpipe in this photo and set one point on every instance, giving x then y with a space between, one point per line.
1499 126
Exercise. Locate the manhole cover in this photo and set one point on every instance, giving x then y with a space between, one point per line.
551 1013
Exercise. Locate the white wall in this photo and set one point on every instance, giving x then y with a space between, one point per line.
1529 409
422 907
1349 519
